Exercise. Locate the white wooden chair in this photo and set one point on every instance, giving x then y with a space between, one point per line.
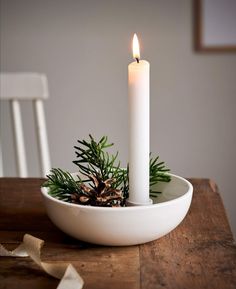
15 87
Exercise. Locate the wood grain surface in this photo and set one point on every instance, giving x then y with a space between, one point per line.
200 253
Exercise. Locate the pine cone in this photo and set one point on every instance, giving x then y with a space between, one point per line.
99 193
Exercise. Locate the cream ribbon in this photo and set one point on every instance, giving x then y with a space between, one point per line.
31 246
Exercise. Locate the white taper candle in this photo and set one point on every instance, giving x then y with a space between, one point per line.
139 119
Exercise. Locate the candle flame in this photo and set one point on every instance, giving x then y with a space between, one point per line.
136 52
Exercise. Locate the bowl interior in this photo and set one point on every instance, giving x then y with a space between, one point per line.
176 188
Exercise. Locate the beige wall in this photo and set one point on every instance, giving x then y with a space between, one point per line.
84 48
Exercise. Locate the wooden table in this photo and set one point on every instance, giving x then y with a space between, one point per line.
200 253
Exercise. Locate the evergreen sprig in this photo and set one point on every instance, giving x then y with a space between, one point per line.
61 185
158 173
110 181
93 159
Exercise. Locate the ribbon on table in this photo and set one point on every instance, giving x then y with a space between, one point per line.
31 246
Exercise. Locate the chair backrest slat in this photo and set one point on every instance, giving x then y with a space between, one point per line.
19 139
42 137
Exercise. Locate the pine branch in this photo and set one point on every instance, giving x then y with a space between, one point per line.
92 158
158 173
62 185
106 183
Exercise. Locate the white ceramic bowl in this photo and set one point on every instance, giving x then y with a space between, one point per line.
125 225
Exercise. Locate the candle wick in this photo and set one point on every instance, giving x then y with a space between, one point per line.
137 59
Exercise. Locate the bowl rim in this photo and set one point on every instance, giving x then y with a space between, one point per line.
189 192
